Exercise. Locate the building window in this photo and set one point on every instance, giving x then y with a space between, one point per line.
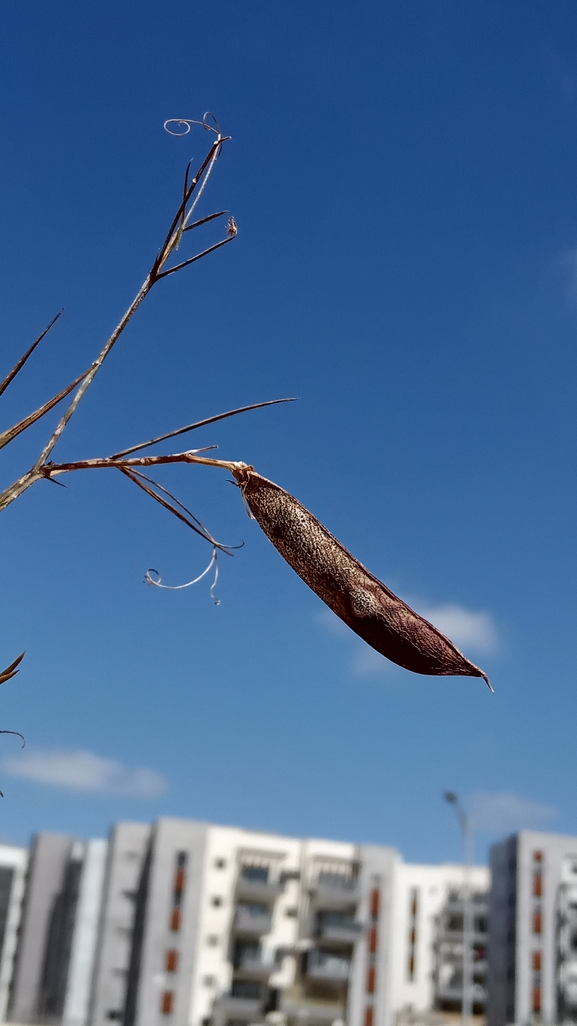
373 940
167 1002
371 979
369 1015
536 999
537 885
216 901
250 989
212 940
537 922
220 863
413 914
537 856
375 903
209 981
536 961
171 961
258 874
291 913
179 884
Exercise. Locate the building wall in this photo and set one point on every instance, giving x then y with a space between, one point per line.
422 894
125 855
48 861
84 938
502 933
13 866
313 940
533 873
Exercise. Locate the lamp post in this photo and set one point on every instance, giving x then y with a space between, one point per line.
465 825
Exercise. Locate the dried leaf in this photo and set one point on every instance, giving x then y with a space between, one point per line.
18 366
365 604
11 670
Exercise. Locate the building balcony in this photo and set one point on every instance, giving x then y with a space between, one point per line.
254 968
336 928
456 937
238 1008
329 895
308 1012
258 890
340 934
325 968
252 922
455 993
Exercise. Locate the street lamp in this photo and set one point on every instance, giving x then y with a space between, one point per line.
465 824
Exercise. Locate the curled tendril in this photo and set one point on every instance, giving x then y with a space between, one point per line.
17 733
178 587
187 123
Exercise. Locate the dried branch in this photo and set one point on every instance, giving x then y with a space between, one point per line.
181 222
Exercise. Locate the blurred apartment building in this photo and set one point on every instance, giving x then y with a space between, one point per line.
183 923
428 938
533 930
13 864
51 976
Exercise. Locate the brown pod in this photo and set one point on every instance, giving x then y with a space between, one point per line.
373 612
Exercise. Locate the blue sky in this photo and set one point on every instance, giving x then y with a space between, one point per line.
403 177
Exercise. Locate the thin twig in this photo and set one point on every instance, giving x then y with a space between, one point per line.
7 436
200 423
167 505
185 263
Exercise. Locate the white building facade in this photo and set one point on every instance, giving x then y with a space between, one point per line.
533 930
428 938
13 866
217 925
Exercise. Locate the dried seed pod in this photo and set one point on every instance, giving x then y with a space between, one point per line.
373 612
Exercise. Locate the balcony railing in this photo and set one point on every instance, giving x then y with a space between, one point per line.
245 1009
258 890
254 968
328 968
252 922
309 1011
341 934
328 894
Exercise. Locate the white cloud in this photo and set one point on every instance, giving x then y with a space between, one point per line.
84 771
508 812
332 623
569 268
466 629
365 662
